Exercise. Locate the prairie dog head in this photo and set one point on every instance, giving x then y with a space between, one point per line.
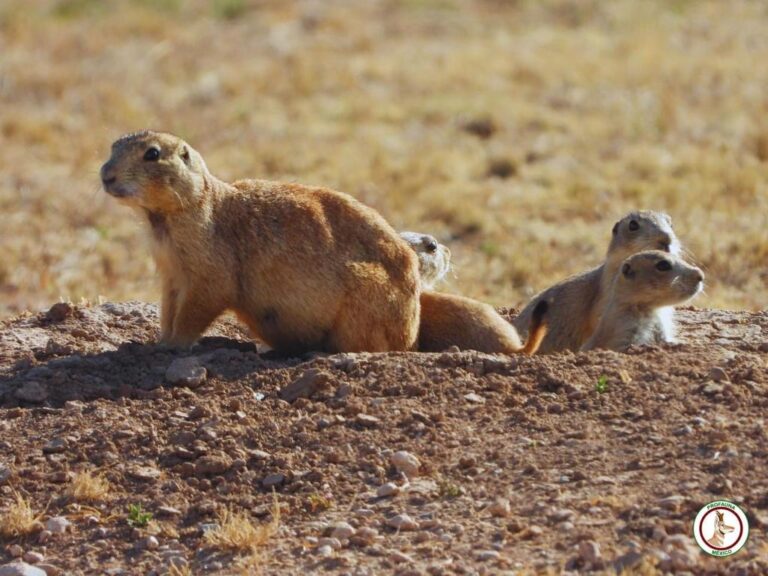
155 171
434 258
642 230
656 279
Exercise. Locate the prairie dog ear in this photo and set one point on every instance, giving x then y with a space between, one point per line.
627 272
615 229
667 217
184 153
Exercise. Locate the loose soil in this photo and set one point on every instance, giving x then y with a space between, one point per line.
604 458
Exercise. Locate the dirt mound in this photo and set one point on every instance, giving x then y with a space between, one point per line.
568 462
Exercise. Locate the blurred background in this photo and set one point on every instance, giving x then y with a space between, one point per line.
516 132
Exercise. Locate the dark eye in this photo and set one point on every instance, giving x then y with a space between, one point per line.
633 226
663 266
152 155
430 246
627 270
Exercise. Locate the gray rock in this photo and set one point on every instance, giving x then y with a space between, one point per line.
33 557
273 480
405 462
186 372
388 489
20 569
55 446
57 525
342 530
403 523
486 555
32 391
325 550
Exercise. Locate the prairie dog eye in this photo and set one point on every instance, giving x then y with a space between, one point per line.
626 270
664 266
430 246
152 154
634 226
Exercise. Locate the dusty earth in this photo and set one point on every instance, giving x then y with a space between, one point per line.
523 464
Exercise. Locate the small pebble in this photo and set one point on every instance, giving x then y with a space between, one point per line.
324 551
15 551
406 463
57 525
718 374
500 508
388 489
589 552
186 372
273 480
151 543
20 569
402 522
334 543
33 557
486 555
342 531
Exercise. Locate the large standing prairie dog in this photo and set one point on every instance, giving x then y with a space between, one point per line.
646 282
305 268
448 320
576 303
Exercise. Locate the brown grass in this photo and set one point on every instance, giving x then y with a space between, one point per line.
88 487
596 108
237 533
18 519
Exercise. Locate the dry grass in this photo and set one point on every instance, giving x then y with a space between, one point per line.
18 519
598 107
88 487
236 532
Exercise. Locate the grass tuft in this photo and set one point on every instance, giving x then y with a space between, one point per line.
237 533
19 519
88 487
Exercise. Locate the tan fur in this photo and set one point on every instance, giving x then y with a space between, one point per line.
576 303
305 268
448 320
646 283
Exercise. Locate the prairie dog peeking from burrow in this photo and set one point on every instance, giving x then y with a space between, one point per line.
576 302
449 320
637 308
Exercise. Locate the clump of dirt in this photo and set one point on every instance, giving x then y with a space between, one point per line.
450 463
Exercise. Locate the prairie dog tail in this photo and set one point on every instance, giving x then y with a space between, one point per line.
537 329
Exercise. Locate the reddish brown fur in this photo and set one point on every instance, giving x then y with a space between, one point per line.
449 320
305 268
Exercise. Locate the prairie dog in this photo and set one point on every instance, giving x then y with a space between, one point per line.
448 320
306 268
576 302
434 258
646 283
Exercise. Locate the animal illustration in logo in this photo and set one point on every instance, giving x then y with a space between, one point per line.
717 540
